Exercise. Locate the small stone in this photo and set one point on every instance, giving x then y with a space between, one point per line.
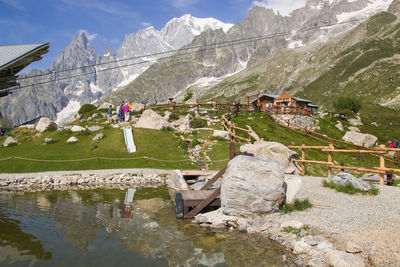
98 137
352 247
94 128
9 140
265 226
310 240
48 140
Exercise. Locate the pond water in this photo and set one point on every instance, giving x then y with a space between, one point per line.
91 227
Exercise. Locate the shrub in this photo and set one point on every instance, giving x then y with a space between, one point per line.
349 188
198 123
52 127
188 95
348 103
297 205
182 144
86 108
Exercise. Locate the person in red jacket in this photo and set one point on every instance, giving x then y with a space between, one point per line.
391 144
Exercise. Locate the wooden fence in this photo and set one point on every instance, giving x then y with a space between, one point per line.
381 151
232 127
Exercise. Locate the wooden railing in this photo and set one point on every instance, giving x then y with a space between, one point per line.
232 127
381 151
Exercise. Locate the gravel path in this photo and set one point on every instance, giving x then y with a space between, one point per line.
373 222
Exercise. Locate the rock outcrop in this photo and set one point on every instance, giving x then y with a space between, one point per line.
252 185
273 151
152 120
43 124
77 128
360 139
222 134
344 178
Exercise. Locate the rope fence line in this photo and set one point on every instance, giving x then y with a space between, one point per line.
104 158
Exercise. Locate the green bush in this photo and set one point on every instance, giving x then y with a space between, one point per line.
86 108
52 127
188 95
348 103
182 144
173 117
297 205
198 123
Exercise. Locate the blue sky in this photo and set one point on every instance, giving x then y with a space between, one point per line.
107 22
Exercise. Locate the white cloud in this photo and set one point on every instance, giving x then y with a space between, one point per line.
146 24
283 6
89 36
181 3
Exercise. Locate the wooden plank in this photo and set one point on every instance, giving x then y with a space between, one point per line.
309 147
203 204
354 151
313 161
215 178
387 169
196 172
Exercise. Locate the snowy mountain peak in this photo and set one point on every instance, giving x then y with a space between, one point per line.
181 31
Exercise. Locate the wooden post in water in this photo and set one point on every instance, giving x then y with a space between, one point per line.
330 159
382 166
303 157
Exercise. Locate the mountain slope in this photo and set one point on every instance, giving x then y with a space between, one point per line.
303 28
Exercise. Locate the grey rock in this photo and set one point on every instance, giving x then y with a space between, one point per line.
337 258
355 129
310 240
344 178
339 125
77 128
360 139
98 137
43 124
352 247
223 134
95 128
273 151
295 189
252 185
300 247
9 140
176 181
152 120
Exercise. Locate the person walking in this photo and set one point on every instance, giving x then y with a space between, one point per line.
118 111
109 115
395 143
122 113
126 111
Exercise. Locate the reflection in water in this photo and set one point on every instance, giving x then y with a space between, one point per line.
94 227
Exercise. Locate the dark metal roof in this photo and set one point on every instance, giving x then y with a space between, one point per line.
276 96
14 58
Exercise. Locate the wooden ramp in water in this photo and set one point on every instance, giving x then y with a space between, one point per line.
189 203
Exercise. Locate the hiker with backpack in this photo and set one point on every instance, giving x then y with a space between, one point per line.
395 143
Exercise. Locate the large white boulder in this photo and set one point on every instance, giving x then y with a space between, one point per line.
152 120
223 134
137 106
345 178
273 151
252 185
72 139
43 124
360 139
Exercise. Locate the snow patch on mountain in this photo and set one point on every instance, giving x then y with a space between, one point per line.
65 115
373 7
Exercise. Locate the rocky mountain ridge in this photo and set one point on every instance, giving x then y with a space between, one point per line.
318 22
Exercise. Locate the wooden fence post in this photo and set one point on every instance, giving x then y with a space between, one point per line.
198 105
382 166
330 158
173 107
303 157
231 150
